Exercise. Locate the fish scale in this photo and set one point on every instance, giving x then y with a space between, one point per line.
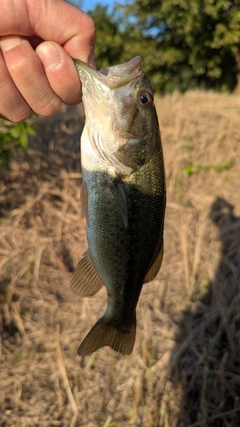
123 198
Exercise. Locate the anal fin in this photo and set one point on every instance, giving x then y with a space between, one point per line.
85 279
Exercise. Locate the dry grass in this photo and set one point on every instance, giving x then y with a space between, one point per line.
185 367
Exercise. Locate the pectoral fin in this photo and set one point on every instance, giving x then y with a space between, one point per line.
85 280
154 269
84 200
120 199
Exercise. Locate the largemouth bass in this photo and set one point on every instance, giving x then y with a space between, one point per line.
123 198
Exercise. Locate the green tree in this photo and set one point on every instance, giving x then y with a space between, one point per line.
190 42
116 40
109 37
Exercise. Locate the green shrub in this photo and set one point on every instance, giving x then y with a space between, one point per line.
12 138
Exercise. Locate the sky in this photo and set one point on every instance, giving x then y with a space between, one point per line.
90 4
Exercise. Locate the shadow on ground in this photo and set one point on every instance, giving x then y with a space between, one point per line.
206 362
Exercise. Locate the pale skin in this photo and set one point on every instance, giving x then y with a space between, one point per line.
38 41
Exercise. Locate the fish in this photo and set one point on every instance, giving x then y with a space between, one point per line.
123 198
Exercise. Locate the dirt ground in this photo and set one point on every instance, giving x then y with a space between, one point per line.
185 367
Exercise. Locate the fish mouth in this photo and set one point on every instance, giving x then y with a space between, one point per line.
105 92
112 77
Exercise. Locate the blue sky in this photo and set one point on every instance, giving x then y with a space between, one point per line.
90 4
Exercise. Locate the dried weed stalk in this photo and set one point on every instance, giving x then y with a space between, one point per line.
184 370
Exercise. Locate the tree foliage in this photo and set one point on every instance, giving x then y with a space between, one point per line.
197 41
183 43
109 45
12 138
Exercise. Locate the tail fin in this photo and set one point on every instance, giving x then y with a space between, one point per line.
120 338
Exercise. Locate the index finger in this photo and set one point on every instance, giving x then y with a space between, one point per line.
53 20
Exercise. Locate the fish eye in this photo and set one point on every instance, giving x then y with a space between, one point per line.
145 99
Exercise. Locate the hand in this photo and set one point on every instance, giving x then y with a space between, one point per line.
38 39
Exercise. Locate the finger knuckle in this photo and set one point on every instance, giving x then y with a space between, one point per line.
20 114
49 106
19 65
87 27
91 25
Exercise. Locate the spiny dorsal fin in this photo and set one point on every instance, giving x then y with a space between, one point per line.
85 280
155 267
120 339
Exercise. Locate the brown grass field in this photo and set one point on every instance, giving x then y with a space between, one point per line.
185 367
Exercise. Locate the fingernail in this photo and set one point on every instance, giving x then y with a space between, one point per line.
9 42
50 55
91 62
